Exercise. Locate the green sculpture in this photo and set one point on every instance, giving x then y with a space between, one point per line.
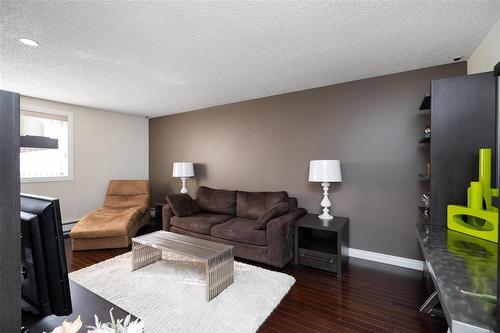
479 218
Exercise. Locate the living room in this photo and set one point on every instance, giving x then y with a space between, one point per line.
249 166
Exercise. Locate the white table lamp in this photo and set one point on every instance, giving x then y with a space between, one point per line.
326 172
183 170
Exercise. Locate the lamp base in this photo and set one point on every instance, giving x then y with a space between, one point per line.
325 203
325 222
184 188
325 216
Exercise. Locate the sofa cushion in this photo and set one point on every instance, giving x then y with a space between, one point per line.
253 204
271 213
240 230
200 223
107 222
182 204
216 201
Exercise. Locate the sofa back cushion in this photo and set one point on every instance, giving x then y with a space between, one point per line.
216 201
182 204
127 193
273 212
293 203
253 204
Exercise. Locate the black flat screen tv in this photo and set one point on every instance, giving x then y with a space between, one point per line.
44 273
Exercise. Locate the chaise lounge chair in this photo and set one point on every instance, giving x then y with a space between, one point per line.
125 211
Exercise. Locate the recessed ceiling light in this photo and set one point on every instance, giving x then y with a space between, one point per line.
29 42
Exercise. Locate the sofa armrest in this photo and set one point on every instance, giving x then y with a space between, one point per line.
167 214
280 237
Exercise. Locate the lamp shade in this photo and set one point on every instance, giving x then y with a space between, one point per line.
325 171
183 169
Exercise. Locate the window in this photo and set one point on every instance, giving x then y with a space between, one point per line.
42 164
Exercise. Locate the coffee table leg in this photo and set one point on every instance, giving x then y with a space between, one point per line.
143 255
219 274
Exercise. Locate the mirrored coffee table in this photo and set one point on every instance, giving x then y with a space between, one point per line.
218 258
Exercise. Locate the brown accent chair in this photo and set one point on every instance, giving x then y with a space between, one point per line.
255 223
125 211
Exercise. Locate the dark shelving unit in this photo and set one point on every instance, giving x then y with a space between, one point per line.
426 103
462 118
42 142
463 121
10 232
424 177
425 211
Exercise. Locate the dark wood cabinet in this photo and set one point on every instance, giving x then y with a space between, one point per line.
10 239
463 121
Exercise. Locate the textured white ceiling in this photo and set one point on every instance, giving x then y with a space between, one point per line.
157 58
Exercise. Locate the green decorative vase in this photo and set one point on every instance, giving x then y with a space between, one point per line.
479 218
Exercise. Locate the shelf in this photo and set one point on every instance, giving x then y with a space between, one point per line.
424 177
425 211
426 103
425 140
320 244
32 141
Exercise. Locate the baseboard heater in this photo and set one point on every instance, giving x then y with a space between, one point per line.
67 226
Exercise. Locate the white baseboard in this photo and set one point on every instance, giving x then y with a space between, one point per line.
387 259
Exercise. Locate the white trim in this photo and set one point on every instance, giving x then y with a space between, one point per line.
387 259
47 179
70 176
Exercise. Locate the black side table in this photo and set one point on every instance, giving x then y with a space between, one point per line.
322 244
158 219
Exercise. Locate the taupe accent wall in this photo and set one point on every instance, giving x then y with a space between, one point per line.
371 125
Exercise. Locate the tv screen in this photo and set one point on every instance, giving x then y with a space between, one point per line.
44 273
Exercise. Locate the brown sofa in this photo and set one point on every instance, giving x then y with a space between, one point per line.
260 225
125 211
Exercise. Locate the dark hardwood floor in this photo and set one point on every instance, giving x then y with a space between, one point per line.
370 297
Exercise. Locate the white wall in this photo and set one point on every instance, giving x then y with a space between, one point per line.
107 145
487 55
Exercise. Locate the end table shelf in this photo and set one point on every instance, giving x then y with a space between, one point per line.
322 244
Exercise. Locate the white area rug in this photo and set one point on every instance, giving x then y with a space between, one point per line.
170 295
